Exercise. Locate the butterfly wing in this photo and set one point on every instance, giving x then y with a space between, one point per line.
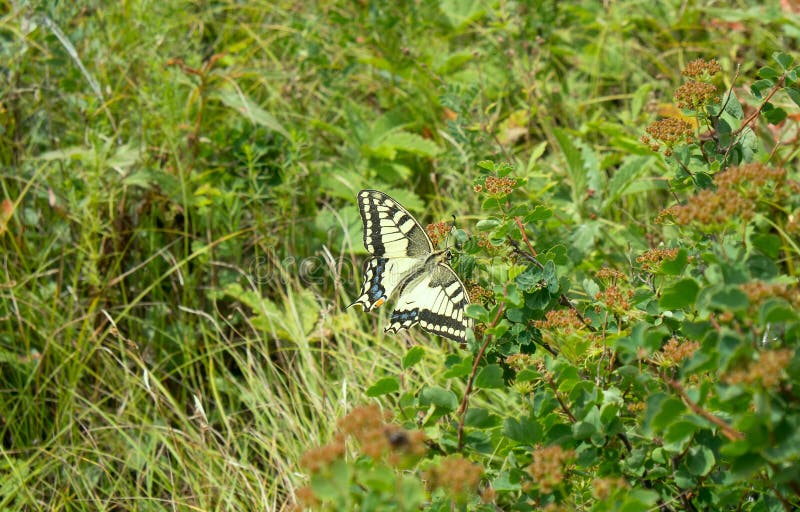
436 300
381 278
397 242
389 230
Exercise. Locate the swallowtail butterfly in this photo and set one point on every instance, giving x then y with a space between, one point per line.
404 259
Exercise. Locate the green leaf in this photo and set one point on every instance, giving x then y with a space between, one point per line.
675 267
669 410
489 377
459 369
768 72
480 418
461 13
784 60
238 101
524 430
773 115
700 460
759 86
731 298
412 493
538 214
680 295
409 142
440 397
776 310
413 356
794 93
627 174
332 484
575 169
384 386
767 243
487 224
732 106
678 435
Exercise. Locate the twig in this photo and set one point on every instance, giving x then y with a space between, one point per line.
525 237
564 300
462 410
728 431
564 407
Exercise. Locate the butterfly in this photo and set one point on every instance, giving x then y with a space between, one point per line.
404 260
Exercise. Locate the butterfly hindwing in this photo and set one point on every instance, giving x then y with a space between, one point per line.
389 230
381 278
435 300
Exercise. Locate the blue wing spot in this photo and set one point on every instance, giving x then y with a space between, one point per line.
377 291
405 316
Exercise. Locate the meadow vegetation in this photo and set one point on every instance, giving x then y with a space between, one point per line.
179 241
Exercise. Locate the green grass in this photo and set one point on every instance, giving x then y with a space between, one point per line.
179 237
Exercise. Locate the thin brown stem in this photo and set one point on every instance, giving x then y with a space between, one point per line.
462 410
728 431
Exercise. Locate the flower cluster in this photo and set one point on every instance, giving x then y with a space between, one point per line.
758 291
565 320
547 468
610 273
652 258
737 193
675 351
768 369
695 95
702 69
602 488
456 475
369 426
438 231
479 295
497 186
615 299
668 131
485 243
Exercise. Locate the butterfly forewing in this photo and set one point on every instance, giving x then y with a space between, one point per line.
389 230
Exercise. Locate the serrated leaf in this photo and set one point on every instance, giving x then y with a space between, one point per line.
384 386
490 376
402 140
413 356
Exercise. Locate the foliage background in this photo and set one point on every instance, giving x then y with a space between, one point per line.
179 241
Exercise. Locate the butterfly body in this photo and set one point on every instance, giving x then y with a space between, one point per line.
404 261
